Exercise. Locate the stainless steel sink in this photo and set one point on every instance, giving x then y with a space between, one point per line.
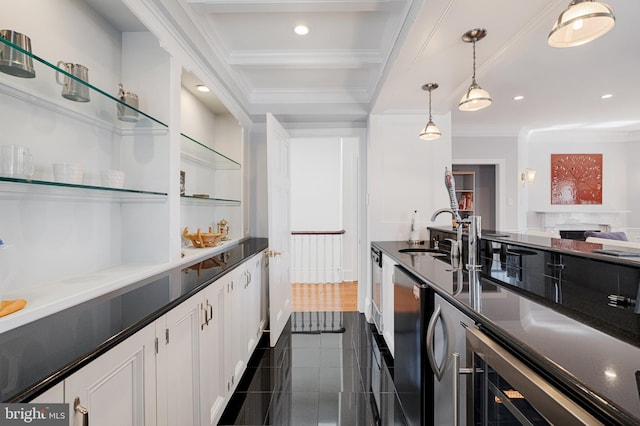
423 251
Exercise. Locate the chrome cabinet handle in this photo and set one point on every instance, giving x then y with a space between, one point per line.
210 311
431 354
82 410
206 319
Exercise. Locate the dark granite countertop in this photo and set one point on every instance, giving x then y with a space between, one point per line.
554 328
37 355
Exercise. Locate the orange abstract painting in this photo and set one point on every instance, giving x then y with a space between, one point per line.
576 178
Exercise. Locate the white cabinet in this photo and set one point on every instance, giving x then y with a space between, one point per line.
244 321
180 339
213 389
388 265
182 368
205 343
253 287
235 325
52 395
119 387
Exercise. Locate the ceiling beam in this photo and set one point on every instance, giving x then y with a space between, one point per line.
288 6
327 59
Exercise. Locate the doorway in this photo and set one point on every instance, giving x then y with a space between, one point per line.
324 210
489 181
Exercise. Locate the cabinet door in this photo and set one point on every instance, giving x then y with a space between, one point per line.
182 343
52 395
234 327
119 387
213 386
253 290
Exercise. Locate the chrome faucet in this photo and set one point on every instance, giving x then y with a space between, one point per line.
473 261
456 249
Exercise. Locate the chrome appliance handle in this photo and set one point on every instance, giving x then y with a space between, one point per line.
555 406
431 353
455 388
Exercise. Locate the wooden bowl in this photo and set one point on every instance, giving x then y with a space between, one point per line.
204 239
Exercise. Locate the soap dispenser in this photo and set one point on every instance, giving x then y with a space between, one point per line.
414 235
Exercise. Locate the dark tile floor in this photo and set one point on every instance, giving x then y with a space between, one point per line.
328 368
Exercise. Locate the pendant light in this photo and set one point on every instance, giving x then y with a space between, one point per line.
475 98
582 22
430 131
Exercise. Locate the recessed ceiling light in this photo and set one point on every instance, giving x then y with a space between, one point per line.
518 98
202 88
301 30
607 96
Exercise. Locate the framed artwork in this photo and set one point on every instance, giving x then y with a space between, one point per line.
576 178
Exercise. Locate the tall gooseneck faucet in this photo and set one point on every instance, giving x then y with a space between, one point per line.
474 222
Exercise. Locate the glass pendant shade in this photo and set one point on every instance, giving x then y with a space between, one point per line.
582 22
430 132
474 99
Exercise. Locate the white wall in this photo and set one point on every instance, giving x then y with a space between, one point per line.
502 150
256 158
196 121
316 184
633 184
405 174
618 169
223 134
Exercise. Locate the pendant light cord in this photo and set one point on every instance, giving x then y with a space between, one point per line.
429 104
473 77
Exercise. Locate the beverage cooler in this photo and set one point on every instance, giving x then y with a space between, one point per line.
505 391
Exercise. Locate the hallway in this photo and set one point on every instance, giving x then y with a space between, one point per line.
328 368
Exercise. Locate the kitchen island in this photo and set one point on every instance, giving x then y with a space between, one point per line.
547 302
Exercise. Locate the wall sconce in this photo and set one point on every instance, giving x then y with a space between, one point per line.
528 175
582 22
430 131
475 98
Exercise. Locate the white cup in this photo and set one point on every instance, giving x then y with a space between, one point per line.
16 161
112 178
68 173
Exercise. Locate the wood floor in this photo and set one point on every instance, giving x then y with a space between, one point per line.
324 297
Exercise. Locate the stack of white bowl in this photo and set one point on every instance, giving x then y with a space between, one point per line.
68 173
112 178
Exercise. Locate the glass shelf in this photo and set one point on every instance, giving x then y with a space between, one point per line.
100 110
199 153
7 185
209 200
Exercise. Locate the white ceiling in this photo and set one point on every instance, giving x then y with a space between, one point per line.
364 56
